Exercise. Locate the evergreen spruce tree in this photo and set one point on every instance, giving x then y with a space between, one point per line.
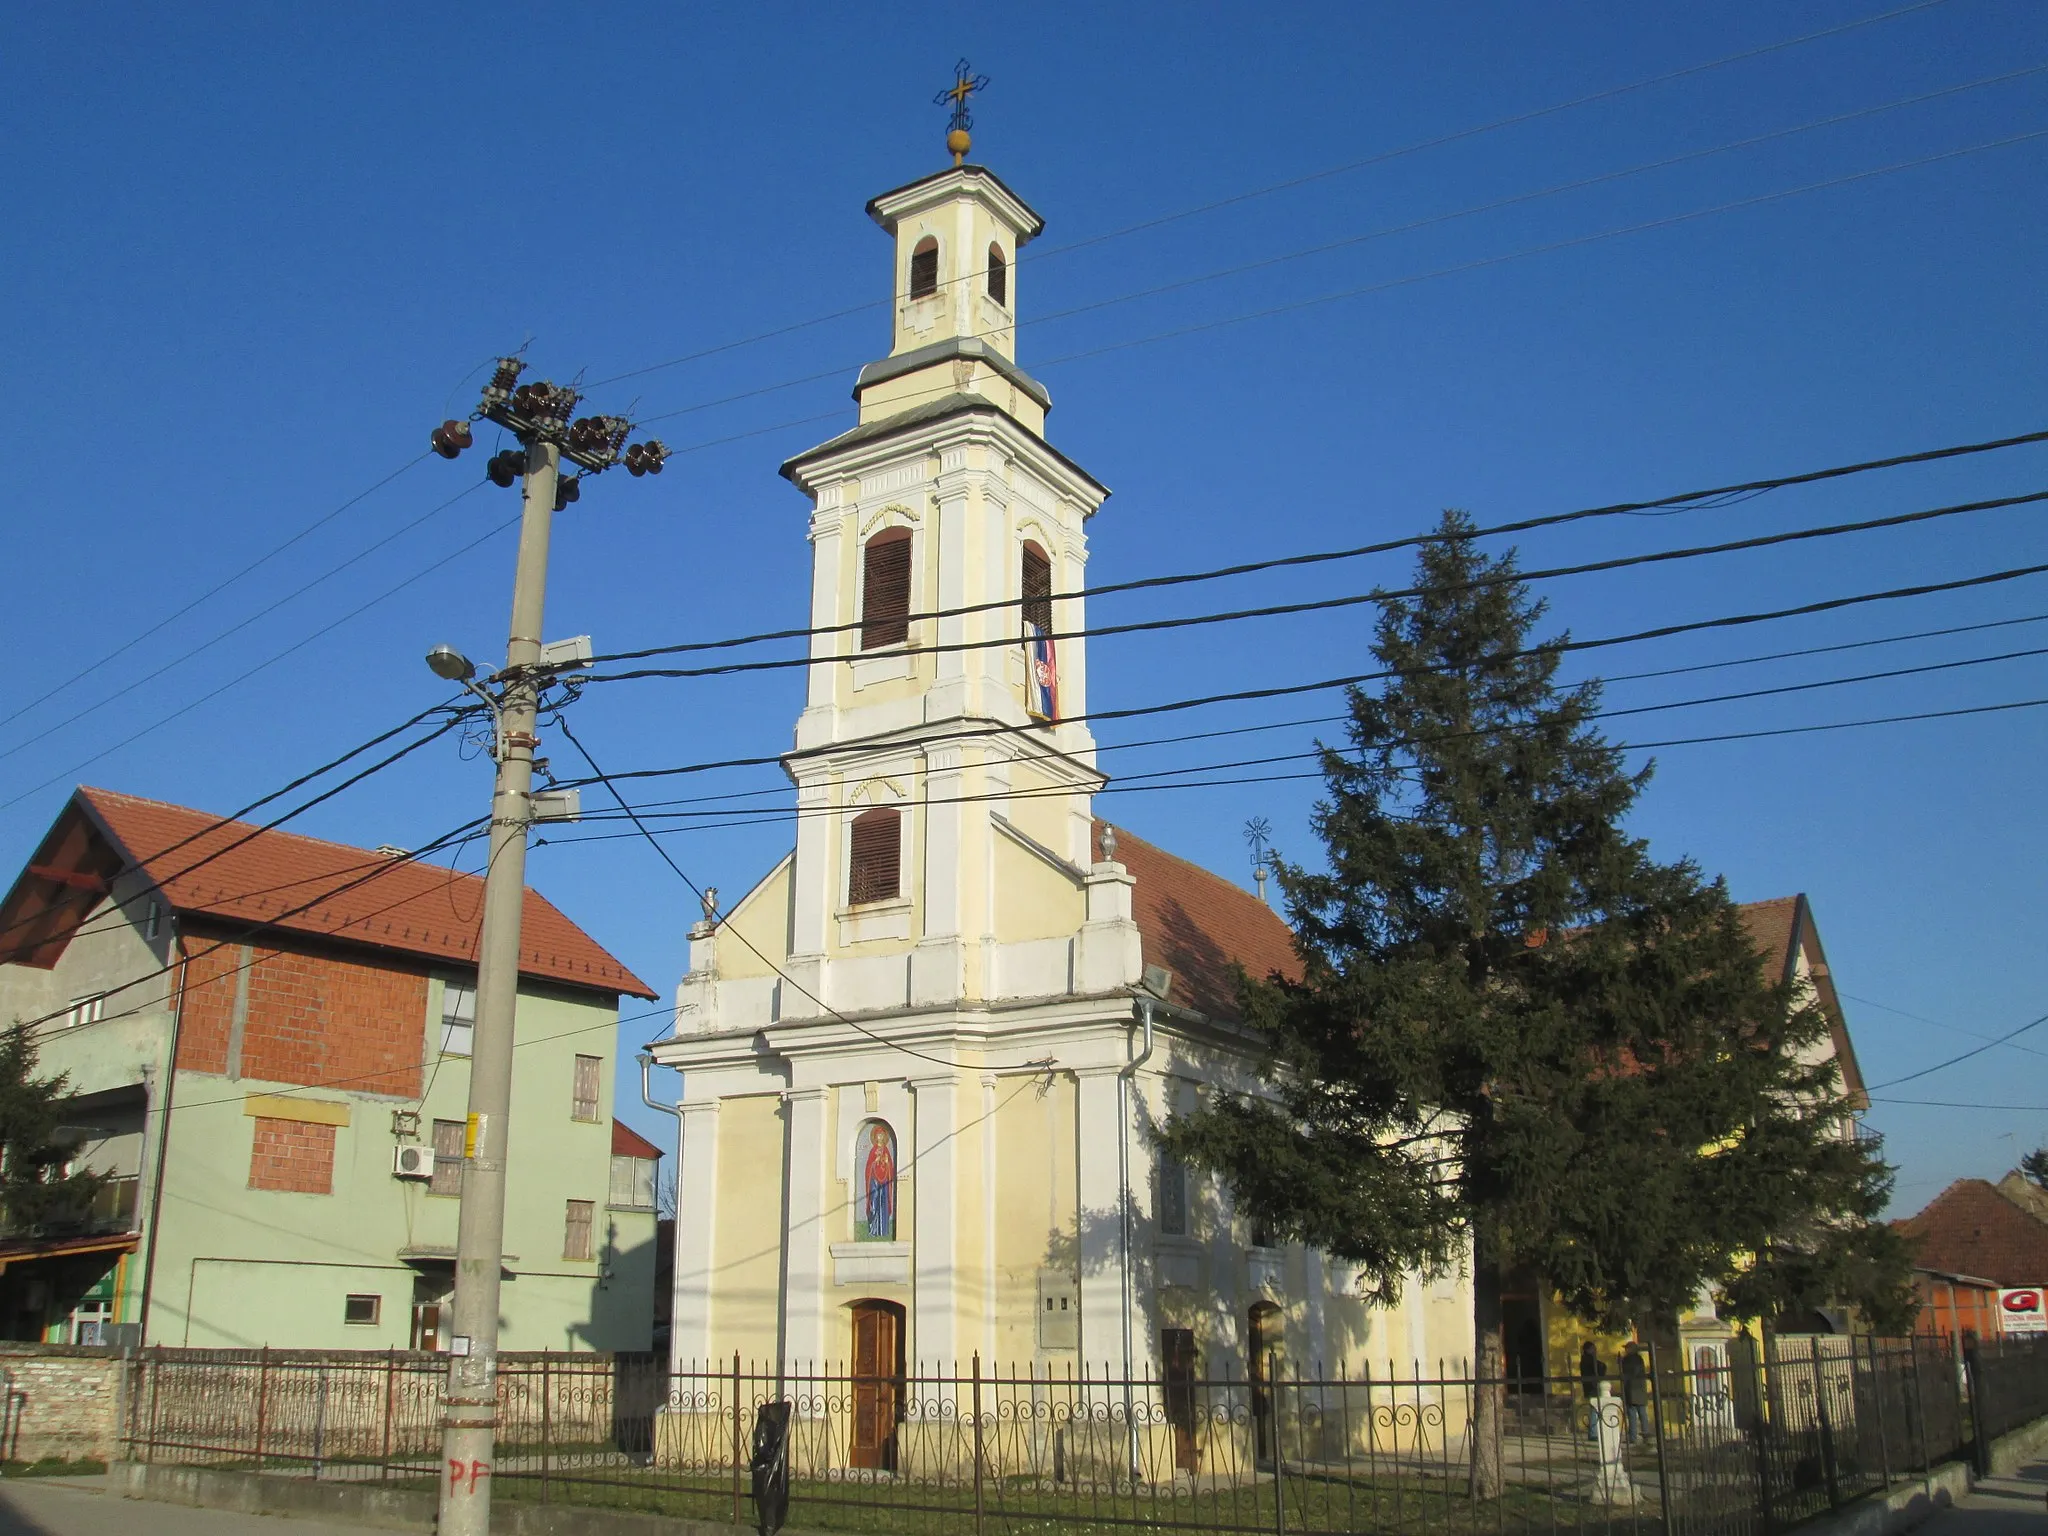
37 1195
1519 1041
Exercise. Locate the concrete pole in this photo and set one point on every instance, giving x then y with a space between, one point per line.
469 1428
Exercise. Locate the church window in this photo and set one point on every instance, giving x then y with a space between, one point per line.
1035 586
998 276
1173 1196
876 866
924 269
874 1215
885 589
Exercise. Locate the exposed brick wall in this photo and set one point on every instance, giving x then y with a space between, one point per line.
292 1155
206 1004
314 1016
67 1401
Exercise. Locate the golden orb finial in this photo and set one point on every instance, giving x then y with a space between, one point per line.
965 83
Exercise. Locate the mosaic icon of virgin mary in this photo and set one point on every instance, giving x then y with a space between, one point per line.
878 1187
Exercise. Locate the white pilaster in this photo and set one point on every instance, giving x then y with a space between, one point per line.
988 1216
696 1211
805 1260
1102 1328
934 1279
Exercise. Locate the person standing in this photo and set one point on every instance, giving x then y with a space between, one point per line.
1591 1372
1635 1392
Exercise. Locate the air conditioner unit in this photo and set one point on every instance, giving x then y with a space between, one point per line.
412 1162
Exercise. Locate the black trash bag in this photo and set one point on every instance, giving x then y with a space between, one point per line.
770 1466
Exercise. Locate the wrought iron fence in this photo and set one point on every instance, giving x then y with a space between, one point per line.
1742 1444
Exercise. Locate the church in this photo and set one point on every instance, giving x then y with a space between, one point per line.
921 1056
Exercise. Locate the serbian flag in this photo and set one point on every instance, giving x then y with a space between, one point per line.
1042 688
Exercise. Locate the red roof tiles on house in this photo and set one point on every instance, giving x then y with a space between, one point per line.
627 1142
1782 928
1972 1229
1199 925
287 882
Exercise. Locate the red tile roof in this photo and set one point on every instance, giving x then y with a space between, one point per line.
288 882
627 1142
1198 925
1971 1229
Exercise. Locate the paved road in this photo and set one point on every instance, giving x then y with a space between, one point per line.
1998 1506
85 1507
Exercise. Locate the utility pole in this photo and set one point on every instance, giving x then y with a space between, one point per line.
538 416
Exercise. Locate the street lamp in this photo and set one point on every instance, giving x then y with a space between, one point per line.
447 662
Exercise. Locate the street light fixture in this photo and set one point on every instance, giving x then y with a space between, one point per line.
447 662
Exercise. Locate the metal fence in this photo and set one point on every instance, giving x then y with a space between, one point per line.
1745 1443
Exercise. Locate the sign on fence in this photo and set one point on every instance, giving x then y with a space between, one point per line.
2022 1310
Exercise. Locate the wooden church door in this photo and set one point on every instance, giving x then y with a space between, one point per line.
877 1383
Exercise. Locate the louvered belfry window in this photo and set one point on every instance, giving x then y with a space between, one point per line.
1037 588
998 276
924 269
877 864
885 589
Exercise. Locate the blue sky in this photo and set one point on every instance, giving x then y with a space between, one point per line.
255 253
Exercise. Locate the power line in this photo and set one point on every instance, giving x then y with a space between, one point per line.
1942 1066
1921 1018
1677 501
270 826
1359 599
232 629
218 587
1246 695
2025 1109
599 776
1381 157
264 665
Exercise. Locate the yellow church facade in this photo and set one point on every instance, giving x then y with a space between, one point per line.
921 1056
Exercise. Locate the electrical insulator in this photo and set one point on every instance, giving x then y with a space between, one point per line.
450 438
567 489
506 468
652 452
509 369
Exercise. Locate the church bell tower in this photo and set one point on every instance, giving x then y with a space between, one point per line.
939 742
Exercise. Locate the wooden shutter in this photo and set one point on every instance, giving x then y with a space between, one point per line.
576 1229
583 1094
924 269
998 276
447 1178
885 589
1036 587
876 872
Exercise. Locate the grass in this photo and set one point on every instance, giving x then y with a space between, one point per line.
53 1466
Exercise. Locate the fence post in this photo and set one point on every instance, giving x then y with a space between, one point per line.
1920 1412
1759 1428
156 1372
1980 1448
262 1400
547 1427
1273 1428
1657 1424
1884 1443
736 1437
977 1444
1827 1430
384 1446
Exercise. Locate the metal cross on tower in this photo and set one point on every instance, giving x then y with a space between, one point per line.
965 83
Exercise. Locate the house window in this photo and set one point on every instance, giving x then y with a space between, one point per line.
632 1183
885 589
583 1096
447 1178
1263 1236
1173 1196
875 870
362 1311
924 269
998 276
458 1018
90 1321
152 920
87 1010
576 1229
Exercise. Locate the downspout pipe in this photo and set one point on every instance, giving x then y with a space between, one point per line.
647 1097
1124 1077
